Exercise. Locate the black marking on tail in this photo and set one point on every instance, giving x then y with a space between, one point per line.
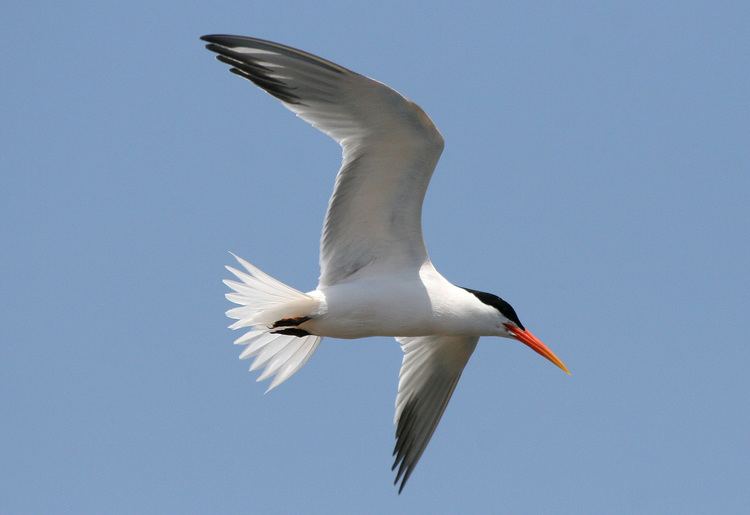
292 331
290 322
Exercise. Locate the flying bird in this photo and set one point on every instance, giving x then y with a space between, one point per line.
376 278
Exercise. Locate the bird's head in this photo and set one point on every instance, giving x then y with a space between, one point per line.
509 326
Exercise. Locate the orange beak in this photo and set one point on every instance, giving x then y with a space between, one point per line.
536 345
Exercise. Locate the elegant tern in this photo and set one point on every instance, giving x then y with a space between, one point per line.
376 278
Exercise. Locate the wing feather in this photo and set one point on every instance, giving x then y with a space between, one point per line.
390 149
430 371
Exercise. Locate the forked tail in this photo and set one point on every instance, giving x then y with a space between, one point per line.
272 310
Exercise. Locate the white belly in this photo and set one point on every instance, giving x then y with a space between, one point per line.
407 305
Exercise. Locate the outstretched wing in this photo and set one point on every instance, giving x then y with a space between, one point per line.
430 372
390 149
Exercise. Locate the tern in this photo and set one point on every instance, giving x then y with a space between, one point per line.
376 278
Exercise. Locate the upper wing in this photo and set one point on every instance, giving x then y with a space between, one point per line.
390 148
430 371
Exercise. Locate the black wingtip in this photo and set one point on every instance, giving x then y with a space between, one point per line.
403 483
213 38
400 486
223 39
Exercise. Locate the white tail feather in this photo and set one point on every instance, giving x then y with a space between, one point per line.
263 301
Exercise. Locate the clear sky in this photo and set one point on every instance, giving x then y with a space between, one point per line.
596 175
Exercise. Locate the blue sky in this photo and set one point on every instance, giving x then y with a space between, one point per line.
596 175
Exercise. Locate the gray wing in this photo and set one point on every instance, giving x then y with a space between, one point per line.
430 371
390 149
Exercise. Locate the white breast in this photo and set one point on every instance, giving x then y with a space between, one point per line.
415 303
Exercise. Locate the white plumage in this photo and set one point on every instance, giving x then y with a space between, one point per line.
263 300
376 278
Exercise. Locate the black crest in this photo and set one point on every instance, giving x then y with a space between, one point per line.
499 304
